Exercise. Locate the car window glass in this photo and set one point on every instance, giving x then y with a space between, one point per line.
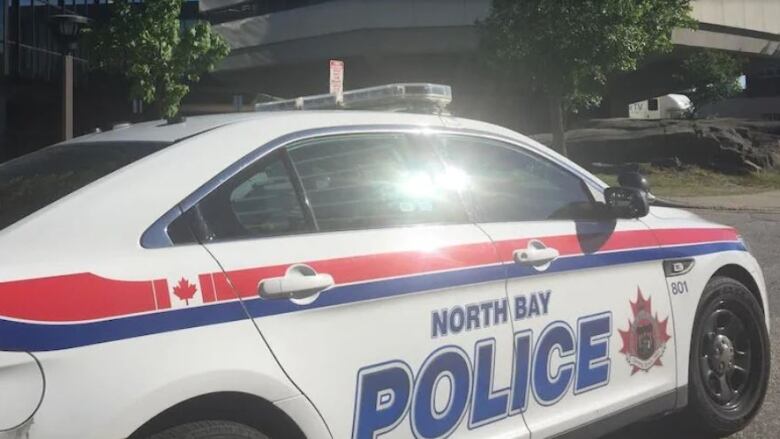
266 202
34 181
508 184
260 201
374 180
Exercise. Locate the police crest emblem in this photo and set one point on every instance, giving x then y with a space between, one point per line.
644 342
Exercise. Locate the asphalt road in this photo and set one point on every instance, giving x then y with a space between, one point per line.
762 232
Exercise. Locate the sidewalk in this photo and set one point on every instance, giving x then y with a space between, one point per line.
761 202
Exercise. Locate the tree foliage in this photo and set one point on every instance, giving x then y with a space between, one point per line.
712 76
147 44
566 49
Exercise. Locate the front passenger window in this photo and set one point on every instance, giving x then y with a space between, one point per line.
507 184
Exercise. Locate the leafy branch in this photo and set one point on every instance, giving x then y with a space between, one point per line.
147 44
566 49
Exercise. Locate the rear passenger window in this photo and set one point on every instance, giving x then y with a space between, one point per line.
507 184
265 203
260 201
374 180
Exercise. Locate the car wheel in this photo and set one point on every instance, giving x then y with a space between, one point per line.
210 430
730 357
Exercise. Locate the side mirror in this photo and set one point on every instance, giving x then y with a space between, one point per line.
634 180
627 202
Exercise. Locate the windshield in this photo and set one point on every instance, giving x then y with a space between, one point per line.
36 180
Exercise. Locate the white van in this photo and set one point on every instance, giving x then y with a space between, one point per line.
671 106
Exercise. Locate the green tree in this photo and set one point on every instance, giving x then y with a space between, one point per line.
711 75
147 44
566 49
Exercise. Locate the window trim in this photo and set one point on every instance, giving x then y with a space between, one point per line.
156 235
300 193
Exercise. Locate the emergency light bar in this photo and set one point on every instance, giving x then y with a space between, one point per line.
392 97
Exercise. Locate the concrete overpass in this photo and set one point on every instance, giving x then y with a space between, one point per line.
284 52
373 27
751 27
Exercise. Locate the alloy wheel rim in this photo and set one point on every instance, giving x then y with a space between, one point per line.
726 355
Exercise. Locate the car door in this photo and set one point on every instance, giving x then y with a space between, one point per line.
380 299
590 307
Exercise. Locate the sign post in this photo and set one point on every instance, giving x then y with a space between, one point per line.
337 79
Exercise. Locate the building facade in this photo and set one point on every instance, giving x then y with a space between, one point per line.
30 89
281 47
31 75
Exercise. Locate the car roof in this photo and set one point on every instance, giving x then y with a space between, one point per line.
171 132
301 120
164 131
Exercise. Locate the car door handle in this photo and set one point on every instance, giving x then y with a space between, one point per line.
536 254
299 282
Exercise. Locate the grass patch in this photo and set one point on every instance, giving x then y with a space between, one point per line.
695 181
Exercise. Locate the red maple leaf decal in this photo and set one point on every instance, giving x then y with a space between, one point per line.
645 339
184 290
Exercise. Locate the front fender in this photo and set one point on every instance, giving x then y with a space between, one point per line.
684 306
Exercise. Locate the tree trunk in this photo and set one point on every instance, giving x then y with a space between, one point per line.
557 123
157 108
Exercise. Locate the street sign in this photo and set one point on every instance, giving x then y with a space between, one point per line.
336 77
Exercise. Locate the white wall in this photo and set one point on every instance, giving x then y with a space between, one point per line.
754 15
759 15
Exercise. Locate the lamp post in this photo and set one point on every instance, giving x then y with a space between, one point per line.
66 28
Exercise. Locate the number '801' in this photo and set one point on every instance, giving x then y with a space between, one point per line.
679 287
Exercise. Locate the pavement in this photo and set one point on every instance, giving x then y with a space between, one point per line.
758 202
761 229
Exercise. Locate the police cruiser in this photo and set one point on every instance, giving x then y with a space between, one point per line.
356 274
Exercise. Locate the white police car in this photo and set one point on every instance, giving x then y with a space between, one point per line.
359 275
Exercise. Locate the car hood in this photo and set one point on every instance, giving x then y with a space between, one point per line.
675 214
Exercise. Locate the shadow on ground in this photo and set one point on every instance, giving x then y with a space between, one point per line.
658 429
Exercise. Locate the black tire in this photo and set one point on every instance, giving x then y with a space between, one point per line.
727 379
210 430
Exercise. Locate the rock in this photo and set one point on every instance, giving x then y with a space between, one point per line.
667 162
728 145
615 169
775 157
752 166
